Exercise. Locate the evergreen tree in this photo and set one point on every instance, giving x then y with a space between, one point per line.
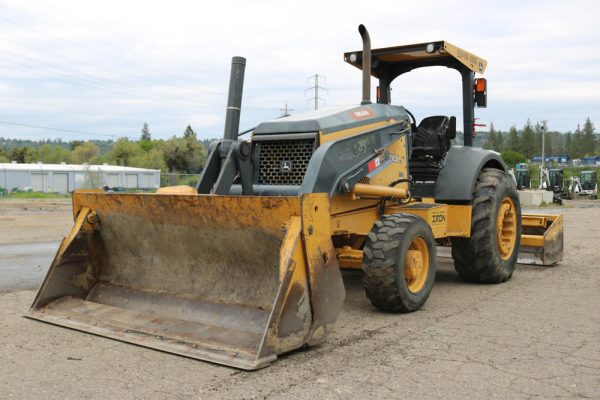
558 143
491 142
550 145
189 133
146 136
24 155
568 146
528 141
577 150
588 139
146 139
500 141
513 139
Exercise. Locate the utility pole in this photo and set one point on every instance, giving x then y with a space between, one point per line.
542 170
544 129
316 89
285 111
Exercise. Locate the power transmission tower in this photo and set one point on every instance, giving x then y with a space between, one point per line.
285 111
315 88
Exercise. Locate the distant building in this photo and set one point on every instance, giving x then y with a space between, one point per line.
64 178
593 161
560 159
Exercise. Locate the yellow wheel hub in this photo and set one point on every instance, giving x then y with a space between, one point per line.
416 265
506 228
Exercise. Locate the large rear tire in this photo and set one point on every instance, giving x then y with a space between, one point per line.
490 254
399 261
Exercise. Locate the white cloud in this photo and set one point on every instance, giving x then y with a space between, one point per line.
109 66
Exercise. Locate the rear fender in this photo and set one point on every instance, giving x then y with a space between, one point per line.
456 181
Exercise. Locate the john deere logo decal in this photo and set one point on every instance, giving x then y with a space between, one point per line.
285 166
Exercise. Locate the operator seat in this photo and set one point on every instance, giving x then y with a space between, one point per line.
430 144
433 135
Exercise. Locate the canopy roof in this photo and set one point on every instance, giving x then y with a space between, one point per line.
416 55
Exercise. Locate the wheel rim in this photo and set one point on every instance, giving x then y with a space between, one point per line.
416 265
506 228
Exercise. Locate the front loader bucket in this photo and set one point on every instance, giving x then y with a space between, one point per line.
541 239
228 279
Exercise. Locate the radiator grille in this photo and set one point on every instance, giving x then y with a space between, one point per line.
284 162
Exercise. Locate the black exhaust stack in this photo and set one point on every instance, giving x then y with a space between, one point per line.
366 65
230 157
234 99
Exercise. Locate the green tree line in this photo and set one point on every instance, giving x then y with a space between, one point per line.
528 141
185 154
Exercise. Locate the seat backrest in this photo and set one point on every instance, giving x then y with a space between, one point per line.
435 124
431 136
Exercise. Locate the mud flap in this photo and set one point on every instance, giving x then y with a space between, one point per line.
229 279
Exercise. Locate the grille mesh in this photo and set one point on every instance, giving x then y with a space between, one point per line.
277 155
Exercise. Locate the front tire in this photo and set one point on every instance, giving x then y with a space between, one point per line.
399 261
490 254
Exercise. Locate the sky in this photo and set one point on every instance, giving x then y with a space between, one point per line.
99 70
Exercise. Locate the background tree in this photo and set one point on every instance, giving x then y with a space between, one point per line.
124 152
554 143
588 139
576 150
4 155
184 155
500 141
511 158
91 178
528 141
50 154
491 142
87 153
567 144
146 142
146 135
24 155
152 159
513 139
189 134
548 145
76 143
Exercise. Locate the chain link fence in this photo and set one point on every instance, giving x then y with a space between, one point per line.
176 179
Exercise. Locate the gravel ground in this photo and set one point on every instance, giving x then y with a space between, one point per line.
536 336
34 220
